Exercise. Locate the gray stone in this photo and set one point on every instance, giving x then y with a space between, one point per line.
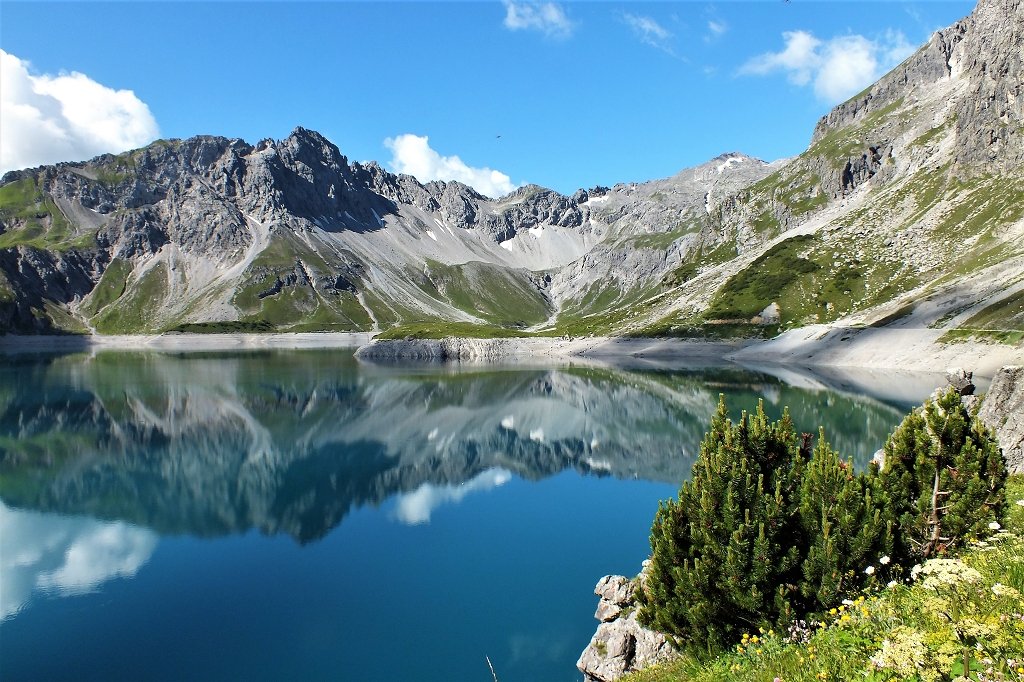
621 644
1002 410
961 380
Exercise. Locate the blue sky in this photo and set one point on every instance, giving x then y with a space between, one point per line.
580 93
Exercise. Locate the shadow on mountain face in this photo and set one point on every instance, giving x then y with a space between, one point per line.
290 442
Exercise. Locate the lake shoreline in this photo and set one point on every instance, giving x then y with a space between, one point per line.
812 346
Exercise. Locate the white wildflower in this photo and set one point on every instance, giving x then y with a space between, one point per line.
939 572
994 525
884 561
1001 590
870 570
1020 503
891 584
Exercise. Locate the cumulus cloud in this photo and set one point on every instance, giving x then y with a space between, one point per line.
413 155
545 17
67 117
64 556
416 507
837 68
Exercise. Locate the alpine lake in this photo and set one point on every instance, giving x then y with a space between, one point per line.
271 515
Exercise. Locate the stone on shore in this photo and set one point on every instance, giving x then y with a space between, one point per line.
621 644
1002 410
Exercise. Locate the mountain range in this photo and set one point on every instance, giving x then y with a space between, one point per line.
906 208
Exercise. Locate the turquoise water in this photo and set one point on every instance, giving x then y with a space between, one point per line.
297 515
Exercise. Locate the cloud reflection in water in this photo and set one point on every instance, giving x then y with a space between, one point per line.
64 555
416 507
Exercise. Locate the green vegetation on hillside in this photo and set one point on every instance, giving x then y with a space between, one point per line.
494 293
111 286
134 312
1000 322
603 309
31 218
439 329
304 304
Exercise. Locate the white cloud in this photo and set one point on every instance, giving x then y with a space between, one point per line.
717 28
416 507
68 117
838 68
649 31
412 154
799 59
65 556
546 17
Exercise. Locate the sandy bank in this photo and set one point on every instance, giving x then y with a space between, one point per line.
180 342
914 349
910 349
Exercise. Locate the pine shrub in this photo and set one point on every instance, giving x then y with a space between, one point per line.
728 555
767 531
942 479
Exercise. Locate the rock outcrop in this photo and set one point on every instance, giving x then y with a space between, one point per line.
1002 410
450 349
621 644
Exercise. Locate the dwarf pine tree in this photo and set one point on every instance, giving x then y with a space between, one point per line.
942 478
845 530
725 556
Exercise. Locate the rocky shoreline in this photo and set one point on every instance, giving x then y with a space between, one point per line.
831 347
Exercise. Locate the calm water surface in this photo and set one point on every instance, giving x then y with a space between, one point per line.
297 515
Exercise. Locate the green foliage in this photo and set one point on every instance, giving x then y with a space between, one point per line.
844 527
966 609
765 531
233 327
29 217
749 291
439 329
497 294
942 479
111 286
133 312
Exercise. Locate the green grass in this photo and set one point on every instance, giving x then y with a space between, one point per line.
111 286
749 291
232 327
31 218
695 328
133 313
1001 336
659 240
297 307
602 310
499 295
439 329
1006 314
914 632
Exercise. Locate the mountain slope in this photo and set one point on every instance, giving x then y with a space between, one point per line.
906 207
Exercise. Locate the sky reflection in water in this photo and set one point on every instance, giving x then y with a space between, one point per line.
321 519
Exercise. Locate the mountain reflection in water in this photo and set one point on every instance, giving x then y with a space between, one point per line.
291 441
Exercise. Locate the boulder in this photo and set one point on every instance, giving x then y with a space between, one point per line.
961 380
621 644
1002 410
